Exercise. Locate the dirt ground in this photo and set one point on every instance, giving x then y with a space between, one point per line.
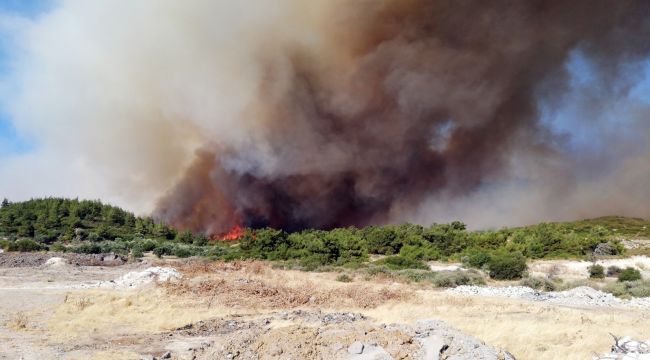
250 310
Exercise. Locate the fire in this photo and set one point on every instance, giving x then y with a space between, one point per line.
234 234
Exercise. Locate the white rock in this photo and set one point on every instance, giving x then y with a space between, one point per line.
356 348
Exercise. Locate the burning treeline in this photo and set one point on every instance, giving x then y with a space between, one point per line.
376 105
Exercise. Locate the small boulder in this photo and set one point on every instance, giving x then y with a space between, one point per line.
356 348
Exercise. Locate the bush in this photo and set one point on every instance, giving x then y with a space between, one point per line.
416 275
344 278
450 279
476 259
182 252
613 271
401 262
4 244
87 248
507 266
638 288
58 247
25 245
629 274
596 271
162 250
539 283
136 252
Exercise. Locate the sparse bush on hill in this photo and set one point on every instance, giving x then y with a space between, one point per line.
596 271
475 258
627 289
539 283
613 271
25 245
507 266
449 279
344 278
629 274
401 262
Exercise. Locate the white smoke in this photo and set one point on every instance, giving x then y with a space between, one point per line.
117 95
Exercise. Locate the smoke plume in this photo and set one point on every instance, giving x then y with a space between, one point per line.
326 113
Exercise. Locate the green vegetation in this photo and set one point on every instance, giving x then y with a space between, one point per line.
507 266
344 278
539 283
401 262
596 271
629 274
629 289
92 227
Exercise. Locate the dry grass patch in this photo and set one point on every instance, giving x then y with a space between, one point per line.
528 330
273 294
18 321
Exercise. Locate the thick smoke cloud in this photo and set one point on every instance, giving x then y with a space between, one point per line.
327 113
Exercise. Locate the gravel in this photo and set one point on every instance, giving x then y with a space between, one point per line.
579 296
136 279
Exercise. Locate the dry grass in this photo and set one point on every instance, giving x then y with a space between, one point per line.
273 294
18 322
528 330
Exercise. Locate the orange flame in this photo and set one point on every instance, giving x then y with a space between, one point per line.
234 234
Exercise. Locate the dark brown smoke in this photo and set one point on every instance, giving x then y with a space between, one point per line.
400 100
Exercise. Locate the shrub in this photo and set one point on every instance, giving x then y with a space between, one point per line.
476 259
613 271
58 247
450 279
538 283
4 244
638 288
596 271
25 245
136 252
163 249
87 248
344 278
507 266
182 252
629 274
147 245
374 270
401 262
416 275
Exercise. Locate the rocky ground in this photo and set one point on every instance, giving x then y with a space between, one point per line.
56 308
579 296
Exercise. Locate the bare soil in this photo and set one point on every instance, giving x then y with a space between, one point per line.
248 310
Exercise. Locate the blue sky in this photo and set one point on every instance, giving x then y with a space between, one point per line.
10 141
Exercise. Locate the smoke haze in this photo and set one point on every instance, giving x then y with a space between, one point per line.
329 113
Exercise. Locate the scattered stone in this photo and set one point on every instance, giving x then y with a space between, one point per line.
55 262
136 279
433 346
356 348
579 296
626 348
373 353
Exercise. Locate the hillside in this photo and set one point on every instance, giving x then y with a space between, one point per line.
52 219
88 226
